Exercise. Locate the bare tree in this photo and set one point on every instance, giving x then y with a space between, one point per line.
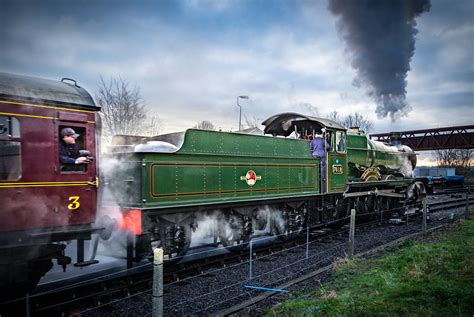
153 125
252 122
205 125
454 157
352 120
334 116
357 120
123 110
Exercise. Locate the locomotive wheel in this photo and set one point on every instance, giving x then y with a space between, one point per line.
341 211
285 235
364 205
175 238
280 227
389 177
231 232
188 237
229 238
371 174
187 232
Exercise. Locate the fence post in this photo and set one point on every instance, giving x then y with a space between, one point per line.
250 259
307 241
352 233
158 282
468 193
423 224
27 303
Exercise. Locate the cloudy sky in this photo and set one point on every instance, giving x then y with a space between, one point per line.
192 58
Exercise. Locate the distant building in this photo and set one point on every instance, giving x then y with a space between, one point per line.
434 171
438 178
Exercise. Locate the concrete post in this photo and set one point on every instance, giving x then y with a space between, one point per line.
307 241
157 282
352 233
250 259
425 212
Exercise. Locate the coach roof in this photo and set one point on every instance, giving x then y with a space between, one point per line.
38 90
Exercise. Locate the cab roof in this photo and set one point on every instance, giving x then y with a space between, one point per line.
38 90
283 124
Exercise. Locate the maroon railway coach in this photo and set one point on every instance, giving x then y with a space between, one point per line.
42 202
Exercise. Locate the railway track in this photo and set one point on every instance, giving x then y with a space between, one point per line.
236 309
86 295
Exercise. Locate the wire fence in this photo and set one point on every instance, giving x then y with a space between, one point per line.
380 214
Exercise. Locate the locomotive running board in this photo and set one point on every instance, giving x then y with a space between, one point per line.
375 192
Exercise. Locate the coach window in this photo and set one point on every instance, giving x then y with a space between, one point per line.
10 149
73 150
340 142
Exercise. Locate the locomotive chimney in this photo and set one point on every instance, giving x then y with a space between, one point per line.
395 138
355 130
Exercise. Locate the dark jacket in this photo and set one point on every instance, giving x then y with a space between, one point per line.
68 153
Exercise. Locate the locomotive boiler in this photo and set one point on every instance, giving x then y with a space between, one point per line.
370 160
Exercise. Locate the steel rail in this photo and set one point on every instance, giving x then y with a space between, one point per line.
251 302
96 293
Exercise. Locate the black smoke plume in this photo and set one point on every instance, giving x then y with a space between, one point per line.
380 36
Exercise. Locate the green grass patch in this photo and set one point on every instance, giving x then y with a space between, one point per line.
432 277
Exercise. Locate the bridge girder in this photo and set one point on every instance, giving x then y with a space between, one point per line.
459 137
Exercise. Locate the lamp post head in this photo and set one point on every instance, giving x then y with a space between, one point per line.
240 110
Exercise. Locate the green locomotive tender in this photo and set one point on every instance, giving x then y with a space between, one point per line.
252 182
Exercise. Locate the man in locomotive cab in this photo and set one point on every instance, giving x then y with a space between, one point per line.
319 147
70 156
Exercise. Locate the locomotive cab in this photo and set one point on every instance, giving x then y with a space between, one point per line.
306 127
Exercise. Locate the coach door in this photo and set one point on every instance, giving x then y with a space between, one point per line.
79 181
336 171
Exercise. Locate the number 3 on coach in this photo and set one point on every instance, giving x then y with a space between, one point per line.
74 203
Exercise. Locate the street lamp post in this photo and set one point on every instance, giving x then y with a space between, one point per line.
240 109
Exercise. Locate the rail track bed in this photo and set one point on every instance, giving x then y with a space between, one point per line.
217 285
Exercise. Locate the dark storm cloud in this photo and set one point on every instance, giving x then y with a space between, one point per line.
381 38
189 53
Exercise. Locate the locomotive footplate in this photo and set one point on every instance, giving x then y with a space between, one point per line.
375 192
386 188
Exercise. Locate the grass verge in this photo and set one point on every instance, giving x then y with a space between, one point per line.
429 277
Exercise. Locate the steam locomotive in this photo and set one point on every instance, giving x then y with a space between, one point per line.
250 183
163 185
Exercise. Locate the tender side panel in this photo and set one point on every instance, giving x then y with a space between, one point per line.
235 144
175 180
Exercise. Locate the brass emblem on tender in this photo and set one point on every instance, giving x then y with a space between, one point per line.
250 178
337 169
